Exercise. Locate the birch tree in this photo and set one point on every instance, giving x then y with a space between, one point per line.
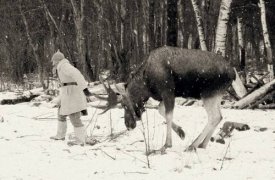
199 24
221 34
241 46
267 43
221 30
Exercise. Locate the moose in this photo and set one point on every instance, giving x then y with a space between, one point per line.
170 72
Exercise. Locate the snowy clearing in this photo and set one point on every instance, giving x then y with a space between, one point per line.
26 152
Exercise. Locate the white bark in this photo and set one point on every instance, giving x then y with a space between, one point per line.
221 30
199 25
221 33
266 38
238 86
240 32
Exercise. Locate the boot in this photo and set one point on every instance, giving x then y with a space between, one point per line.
61 131
80 136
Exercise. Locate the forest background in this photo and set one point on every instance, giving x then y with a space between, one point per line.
116 35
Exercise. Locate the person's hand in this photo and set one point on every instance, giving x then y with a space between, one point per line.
56 102
87 92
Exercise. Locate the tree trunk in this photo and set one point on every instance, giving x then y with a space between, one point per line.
151 24
222 27
266 39
80 42
220 44
34 47
49 18
241 48
172 31
199 25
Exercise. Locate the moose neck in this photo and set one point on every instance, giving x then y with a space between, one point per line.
138 92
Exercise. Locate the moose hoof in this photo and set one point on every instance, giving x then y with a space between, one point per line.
159 151
181 133
191 149
202 146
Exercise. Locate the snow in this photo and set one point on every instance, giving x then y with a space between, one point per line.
26 152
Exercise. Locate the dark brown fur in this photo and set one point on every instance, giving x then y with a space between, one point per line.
171 72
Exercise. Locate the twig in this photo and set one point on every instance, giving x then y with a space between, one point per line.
45 118
117 135
136 142
27 135
131 155
91 119
135 172
148 135
225 154
42 115
111 123
146 143
107 154
108 138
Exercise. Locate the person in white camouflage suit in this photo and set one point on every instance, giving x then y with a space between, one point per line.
72 100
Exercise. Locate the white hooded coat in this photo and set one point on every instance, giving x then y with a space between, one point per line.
72 97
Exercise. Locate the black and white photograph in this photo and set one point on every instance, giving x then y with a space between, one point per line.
137 89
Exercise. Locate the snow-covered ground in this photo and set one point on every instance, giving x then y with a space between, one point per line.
26 152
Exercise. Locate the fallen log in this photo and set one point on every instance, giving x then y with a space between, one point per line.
26 96
259 82
238 86
267 106
266 99
18 100
255 95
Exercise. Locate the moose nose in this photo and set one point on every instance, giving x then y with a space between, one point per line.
130 125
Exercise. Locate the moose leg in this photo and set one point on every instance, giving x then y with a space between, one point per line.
169 103
175 127
212 107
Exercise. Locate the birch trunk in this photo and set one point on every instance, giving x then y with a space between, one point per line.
221 34
221 30
266 39
241 47
199 25
240 42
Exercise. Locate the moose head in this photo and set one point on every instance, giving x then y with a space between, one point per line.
132 109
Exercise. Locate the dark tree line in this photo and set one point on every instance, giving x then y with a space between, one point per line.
116 35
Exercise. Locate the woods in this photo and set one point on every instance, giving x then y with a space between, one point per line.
116 36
